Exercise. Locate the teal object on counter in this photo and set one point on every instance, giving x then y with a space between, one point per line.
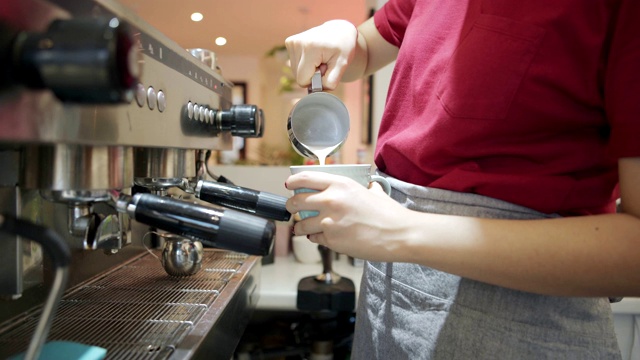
67 350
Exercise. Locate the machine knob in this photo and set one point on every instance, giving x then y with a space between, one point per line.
241 120
82 60
226 229
261 129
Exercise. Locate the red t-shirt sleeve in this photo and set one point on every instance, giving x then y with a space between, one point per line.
392 19
622 82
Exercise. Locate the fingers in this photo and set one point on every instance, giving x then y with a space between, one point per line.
300 202
323 69
310 228
313 60
294 55
335 69
309 62
305 57
331 45
310 196
318 239
375 186
310 180
332 69
307 226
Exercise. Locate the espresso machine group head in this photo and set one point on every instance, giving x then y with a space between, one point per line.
87 74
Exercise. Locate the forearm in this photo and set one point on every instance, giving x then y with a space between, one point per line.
372 52
358 65
578 256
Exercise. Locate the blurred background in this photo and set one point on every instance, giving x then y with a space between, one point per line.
254 58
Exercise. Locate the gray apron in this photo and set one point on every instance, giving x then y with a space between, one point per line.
408 311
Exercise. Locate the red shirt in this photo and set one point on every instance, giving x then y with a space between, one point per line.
531 102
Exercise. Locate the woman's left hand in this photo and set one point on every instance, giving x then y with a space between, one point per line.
353 220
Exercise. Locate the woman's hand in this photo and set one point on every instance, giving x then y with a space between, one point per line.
363 223
332 43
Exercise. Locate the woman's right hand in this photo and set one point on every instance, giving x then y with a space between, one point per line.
332 44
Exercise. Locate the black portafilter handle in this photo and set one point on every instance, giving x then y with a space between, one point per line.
225 229
260 203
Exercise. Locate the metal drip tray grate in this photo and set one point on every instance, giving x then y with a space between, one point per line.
136 311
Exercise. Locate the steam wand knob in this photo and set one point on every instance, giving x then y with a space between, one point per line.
245 120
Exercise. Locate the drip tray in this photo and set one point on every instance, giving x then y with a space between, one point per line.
137 311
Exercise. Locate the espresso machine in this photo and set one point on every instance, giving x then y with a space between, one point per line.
116 235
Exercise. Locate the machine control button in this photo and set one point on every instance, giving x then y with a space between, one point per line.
141 95
196 112
162 101
190 110
152 100
203 113
210 116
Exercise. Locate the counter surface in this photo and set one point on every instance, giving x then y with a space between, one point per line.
629 305
279 285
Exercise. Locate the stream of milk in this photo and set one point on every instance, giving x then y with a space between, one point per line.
322 152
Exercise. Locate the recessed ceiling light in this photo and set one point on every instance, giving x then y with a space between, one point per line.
220 41
196 16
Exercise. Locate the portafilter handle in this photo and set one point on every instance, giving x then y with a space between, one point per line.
260 203
225 229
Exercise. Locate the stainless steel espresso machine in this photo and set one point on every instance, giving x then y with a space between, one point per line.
112 237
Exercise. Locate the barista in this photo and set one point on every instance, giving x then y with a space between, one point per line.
509 131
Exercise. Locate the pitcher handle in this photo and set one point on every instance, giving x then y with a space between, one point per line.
316 82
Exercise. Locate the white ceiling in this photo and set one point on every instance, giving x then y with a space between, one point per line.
252 27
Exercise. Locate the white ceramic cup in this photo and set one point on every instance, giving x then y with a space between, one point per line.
361 173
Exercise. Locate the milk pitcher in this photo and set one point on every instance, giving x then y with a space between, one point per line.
318 123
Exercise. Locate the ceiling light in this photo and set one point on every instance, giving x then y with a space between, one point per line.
220 41
196 16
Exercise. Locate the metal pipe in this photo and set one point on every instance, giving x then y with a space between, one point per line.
60 255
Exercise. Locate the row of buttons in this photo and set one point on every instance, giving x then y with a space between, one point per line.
151 98
200 113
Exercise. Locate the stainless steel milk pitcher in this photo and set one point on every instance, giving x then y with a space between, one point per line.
318 120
